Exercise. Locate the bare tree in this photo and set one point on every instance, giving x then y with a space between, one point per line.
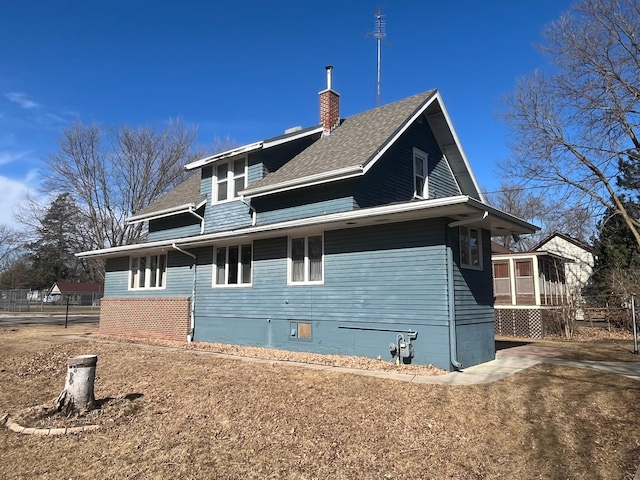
10 243
575 130
114 173
536 207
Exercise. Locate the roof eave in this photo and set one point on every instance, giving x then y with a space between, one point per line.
167 212
460 207
331 176
224 155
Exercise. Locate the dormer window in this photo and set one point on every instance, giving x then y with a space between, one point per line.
229 178
420 166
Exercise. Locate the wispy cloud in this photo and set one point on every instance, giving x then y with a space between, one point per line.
9 157
21 99
13 194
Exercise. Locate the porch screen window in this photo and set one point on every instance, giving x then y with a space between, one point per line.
501 282
233 265
470 247
420 173
148 271
230 178
306 259
524 277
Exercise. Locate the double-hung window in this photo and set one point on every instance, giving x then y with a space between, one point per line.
147 271
470 247
230 177
306 259
420 169
233 265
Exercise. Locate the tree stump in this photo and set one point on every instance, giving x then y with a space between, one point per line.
78 388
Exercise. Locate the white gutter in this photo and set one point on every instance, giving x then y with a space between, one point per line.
167 212
341 174
200 217
223 155
254 214
192 313
160 213
467 221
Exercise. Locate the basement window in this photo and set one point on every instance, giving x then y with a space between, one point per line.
301 330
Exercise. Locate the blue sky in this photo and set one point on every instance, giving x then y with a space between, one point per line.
249 70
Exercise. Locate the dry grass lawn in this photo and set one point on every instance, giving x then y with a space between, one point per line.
180 414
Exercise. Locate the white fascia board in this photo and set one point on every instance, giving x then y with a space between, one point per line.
308 181
223 155
126 249
162 213
522 255
462 204
371 162
291 138
456 139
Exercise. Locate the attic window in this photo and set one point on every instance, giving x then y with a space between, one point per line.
420 166
229 178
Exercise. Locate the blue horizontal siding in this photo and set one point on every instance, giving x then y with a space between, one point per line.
378 281
176 226
304 203
474 306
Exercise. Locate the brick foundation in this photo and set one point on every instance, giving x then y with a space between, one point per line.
162 318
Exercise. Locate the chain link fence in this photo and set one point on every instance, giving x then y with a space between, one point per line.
41 301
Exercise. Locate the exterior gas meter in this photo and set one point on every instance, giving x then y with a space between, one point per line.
403 349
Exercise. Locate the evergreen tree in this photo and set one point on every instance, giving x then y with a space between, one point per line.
617 257
52 252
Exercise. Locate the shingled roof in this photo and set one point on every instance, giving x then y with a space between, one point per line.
354 143
185 194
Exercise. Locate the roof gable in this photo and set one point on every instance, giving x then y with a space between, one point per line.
360 140
566 238
177 200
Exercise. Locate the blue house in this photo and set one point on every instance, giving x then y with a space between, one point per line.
366 236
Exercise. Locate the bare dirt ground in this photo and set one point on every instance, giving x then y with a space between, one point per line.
179 414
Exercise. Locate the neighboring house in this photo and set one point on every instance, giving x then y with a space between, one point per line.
359 236
77 293
579 270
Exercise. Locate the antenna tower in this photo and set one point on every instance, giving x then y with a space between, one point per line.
380 35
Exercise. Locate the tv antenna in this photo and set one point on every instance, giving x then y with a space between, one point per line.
380 35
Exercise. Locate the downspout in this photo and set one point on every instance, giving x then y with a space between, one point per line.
453 340
254 214
192 313
201 218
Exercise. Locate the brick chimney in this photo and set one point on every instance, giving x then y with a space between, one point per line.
329 105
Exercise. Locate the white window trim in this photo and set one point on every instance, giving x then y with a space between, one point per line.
230 179
214 266
480 265
425 188
306 260
147 272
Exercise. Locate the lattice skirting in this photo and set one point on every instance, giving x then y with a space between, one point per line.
512 322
